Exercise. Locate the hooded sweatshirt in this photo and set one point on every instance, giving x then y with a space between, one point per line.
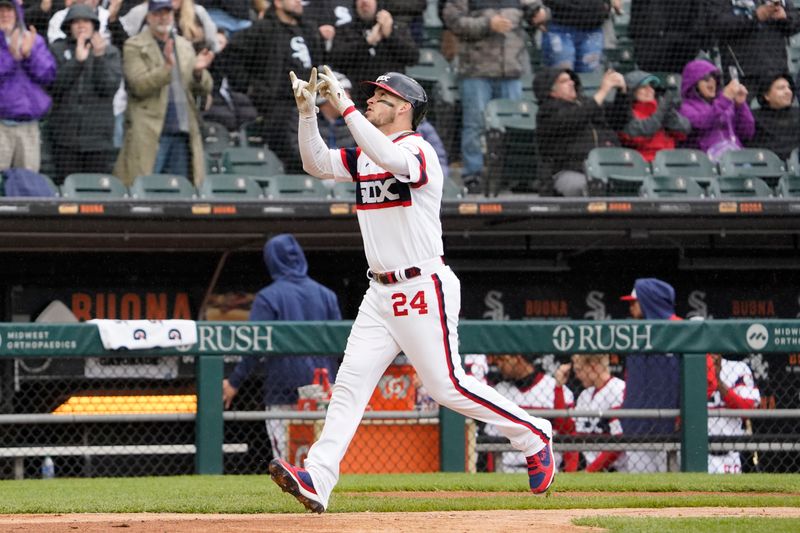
291 296
776 129
652 381
22 82
717 123
567 131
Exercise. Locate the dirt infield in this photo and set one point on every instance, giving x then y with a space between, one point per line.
558 521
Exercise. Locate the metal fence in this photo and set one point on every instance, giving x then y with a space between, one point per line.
68 403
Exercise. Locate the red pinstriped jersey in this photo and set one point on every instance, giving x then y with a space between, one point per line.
739 379
607 397
398 215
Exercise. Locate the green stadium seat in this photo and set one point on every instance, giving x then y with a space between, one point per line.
685 163
216 138
439 80
230 187
162 187
451 190
91 186
739 187
671 187
788 186
793 163
510 132
752 162
251 161
527 87
616 171
344 191
295 186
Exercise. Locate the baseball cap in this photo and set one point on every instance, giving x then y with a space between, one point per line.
156 5
7 3
629 297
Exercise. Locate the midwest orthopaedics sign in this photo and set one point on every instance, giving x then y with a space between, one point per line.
593 337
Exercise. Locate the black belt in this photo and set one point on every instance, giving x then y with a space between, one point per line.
390 278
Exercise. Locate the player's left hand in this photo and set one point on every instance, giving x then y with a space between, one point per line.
331 90
305 93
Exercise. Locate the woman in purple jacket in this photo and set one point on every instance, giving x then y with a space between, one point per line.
720 117
26 67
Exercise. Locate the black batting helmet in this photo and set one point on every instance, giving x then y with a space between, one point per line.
403 87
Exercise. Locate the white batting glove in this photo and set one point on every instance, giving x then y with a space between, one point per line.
331 90
305 93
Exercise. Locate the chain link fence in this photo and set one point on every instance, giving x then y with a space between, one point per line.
135 417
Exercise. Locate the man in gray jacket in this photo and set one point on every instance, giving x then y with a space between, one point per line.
492 58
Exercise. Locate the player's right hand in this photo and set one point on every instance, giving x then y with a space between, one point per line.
305 93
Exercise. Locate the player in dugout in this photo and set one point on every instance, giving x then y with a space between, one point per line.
413 299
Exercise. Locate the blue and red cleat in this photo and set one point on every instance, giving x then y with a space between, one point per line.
541 469
297 482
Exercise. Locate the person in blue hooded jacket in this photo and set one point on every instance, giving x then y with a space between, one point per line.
292 295
651 381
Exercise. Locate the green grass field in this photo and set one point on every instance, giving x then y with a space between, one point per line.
359 493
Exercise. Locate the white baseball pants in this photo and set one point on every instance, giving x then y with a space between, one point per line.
420 317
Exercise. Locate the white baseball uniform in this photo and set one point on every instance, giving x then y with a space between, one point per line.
398 199
607 397
541 393
742 394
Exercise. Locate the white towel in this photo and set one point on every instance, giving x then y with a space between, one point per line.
144 334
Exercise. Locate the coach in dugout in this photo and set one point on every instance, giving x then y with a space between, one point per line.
652 381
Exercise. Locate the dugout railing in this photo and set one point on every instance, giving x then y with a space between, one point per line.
691 339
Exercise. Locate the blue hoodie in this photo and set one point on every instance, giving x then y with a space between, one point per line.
652 381
291 296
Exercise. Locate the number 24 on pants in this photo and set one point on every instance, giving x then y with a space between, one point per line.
402 305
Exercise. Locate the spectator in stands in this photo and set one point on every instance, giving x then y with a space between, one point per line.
193 24
26 68
523 382
327 16
492 58
601 392
231 16
645 122
256 62
292 295
163 76
54 27
666 34
373 43
752 35
409 13
82 119
569 125
116 10
574 36
720 117
38 14
776 119
730 386
652 381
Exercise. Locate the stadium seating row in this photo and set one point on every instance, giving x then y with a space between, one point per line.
751 172
227 187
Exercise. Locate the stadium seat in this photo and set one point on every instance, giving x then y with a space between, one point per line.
230 187
510 131
216 138
344 191
439 80
251 161
451 190
162 187
739 187
685 163
621 56
670 187
527 87
793 163
93 186
295 186
752 162
788 186
616 171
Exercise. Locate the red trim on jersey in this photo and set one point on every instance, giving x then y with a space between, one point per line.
536 380
598 389
348 111
437 283
423 172
603 461
734 401
404 135
398 203
565 425
372 177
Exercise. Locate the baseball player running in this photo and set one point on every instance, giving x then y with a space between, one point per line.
413 299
